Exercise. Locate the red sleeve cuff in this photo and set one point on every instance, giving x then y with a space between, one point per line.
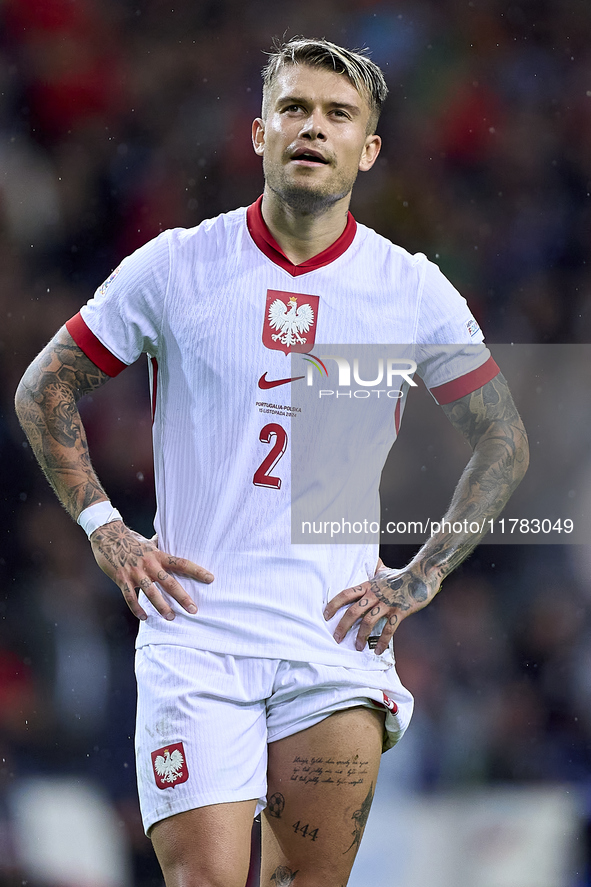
93 348
457 388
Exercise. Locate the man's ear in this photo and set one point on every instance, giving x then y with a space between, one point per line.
258 136
370 152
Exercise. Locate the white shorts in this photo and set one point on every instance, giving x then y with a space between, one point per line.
204 720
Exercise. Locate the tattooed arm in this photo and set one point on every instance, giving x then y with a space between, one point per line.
46 404
490 422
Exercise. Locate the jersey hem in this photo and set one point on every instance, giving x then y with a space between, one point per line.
364 659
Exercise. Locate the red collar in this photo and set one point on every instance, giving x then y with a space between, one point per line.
269 246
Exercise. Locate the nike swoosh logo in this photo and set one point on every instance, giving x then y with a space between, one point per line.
268 383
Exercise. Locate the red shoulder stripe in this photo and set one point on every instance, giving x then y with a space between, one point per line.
93 348
457 388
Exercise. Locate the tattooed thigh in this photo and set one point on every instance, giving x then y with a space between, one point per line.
321 786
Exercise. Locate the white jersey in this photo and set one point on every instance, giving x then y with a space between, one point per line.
219 310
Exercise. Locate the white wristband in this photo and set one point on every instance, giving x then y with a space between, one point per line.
96 516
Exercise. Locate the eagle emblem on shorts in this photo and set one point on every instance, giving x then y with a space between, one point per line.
170 765
290 321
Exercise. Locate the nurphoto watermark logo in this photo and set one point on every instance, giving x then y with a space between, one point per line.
388 372
364 470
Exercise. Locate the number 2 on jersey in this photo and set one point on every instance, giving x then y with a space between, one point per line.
262 476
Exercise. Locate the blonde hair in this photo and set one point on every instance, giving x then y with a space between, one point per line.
364 74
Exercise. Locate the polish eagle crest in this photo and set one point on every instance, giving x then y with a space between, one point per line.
290 321
169 766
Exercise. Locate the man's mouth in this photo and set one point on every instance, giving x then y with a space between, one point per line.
308 158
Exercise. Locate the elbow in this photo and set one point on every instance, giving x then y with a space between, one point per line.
525 458
522 455
25 403
22 399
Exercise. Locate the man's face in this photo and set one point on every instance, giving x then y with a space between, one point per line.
314 139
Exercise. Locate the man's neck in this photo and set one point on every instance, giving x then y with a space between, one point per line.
303 235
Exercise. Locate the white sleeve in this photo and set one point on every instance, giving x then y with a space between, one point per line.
450 352
125 314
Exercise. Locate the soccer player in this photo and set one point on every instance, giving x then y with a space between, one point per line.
274 682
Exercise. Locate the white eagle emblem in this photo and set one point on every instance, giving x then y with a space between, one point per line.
169 766
290 321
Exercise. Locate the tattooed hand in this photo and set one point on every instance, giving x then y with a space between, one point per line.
135 563
491 424
46 405
391 594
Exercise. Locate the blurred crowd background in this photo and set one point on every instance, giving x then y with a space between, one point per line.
120 118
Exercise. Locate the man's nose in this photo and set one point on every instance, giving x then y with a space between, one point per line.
313 126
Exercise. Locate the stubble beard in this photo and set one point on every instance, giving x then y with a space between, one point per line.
304 197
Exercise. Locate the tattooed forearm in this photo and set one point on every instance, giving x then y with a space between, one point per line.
46 406
473 413
490 422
